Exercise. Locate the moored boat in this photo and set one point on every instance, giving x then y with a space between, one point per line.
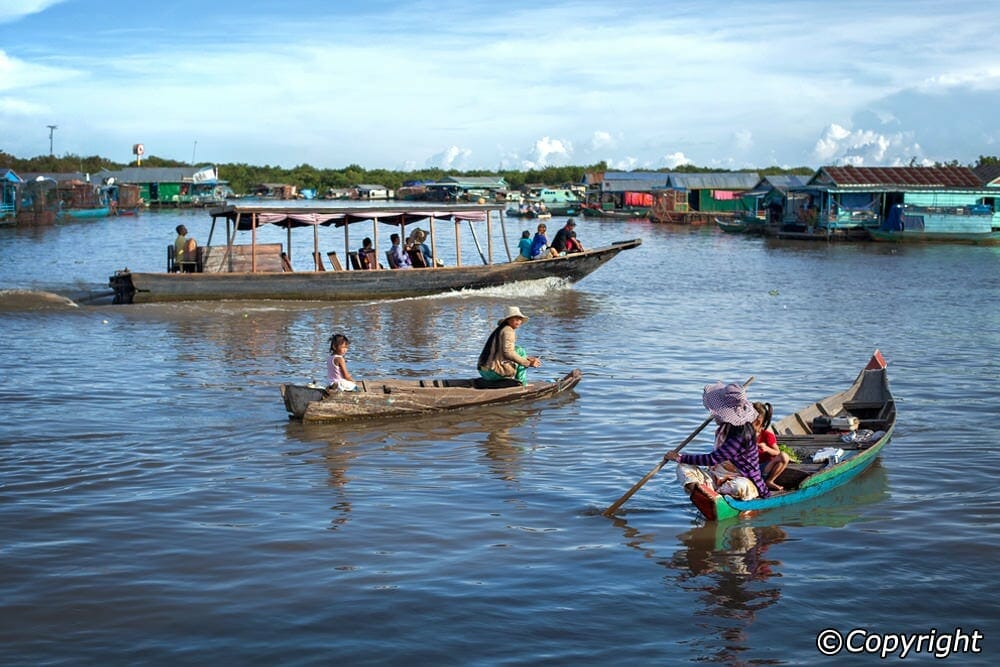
867 407
262 271
976 223
380 398
741 225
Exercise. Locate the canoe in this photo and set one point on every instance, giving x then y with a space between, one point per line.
377 399
260 271
868 399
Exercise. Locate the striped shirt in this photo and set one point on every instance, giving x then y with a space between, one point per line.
742 451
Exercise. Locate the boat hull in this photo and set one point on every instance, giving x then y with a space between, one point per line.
908 236
140 287
378 399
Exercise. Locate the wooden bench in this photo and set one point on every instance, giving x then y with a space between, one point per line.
268 256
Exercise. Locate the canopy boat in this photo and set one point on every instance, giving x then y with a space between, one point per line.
867 407
395 398
263 270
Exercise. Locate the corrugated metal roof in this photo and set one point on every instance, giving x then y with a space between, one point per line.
714 181
898 177
151 174
989 174
652 177
478 181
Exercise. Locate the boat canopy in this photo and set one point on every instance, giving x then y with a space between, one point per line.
246 219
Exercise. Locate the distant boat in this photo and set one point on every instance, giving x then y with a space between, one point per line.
262 271
97 212
963 224
741 225
406 397
866 406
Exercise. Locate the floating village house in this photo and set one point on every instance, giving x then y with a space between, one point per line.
873 196
10 182
161 187
772 194
467 188
372 191
699 198
622 190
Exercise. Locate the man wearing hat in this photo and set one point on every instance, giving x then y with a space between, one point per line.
735 438
502 358
565 240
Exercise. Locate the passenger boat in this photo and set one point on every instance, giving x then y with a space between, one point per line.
867 405
262 270
397 398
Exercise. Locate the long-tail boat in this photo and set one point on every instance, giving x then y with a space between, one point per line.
857 421
263 271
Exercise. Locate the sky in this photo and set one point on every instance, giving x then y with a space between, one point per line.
467 84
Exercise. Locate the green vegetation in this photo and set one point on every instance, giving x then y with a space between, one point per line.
243 177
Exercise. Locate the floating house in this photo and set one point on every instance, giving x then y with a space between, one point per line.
699 198
10 183
467 188
372 191
621 194
173 187
907 203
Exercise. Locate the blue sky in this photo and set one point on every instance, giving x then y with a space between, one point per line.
482 85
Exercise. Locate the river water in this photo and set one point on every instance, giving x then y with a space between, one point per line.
157 506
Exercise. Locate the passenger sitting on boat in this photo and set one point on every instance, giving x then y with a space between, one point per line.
524 247
420 252
337 375
502 358
366 255
565 241
734 438
185 251
400 258
540 245
773 461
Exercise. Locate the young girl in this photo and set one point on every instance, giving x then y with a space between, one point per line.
773 461
336 367
735 438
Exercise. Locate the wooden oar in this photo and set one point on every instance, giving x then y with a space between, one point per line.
638 485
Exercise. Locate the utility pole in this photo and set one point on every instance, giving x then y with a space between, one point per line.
193 151
52 128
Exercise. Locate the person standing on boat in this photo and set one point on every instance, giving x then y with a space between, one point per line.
735 437
502 358
400 258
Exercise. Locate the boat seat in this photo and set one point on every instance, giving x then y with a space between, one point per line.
355 263
286 264
388 258
335 264
318 260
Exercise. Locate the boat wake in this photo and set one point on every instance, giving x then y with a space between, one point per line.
25 299
520 289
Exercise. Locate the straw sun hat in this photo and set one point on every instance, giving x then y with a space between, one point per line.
728 403
512 311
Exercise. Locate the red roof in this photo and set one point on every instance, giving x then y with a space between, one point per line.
901 177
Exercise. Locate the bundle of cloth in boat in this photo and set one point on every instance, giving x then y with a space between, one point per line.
721 478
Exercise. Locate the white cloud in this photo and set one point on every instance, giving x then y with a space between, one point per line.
12 10
452 157
601 140
548 152
16 107
838 145
674 160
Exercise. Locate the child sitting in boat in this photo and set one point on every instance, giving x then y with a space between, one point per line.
773 461
337 375
735 441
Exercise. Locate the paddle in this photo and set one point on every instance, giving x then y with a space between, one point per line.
638 485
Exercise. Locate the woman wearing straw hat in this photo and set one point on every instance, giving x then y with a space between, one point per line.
502 358
735 438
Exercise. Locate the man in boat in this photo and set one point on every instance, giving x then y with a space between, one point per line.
400 258
565 240
502 358
185 250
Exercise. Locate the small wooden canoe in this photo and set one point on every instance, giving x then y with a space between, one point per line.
394 398
868 399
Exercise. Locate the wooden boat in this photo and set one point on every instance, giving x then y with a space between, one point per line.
868 399
261 271
741 225
377 399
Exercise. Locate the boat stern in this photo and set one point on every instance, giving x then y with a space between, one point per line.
711 504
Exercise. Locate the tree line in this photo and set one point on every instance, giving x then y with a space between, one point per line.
242 177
